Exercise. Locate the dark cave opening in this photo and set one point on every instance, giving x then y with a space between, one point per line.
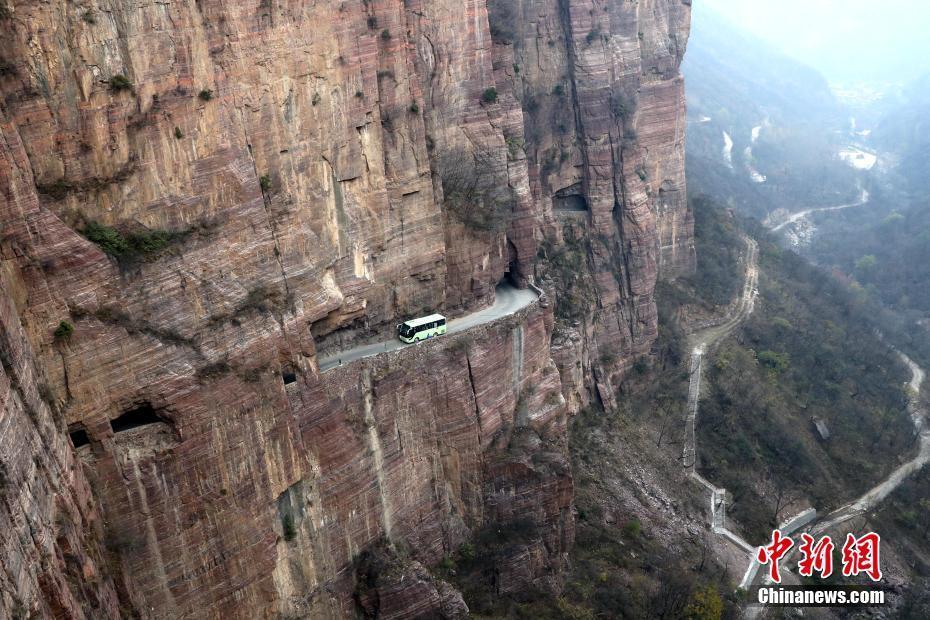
78 436
143 415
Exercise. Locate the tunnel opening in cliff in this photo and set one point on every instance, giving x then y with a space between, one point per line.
78 436
143 415
512 275
570 198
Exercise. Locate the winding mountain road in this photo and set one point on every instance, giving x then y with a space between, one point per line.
880 491
507 301
795 217
883 489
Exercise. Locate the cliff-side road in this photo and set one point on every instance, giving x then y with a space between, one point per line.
507 300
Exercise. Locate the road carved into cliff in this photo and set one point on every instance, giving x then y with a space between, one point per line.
507 301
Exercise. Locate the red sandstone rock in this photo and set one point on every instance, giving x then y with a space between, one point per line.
304 190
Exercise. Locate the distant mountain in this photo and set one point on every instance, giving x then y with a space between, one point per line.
784 123
904 131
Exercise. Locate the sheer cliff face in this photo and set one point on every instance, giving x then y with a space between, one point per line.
288 156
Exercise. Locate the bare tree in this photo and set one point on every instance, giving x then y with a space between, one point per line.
784 497
473 189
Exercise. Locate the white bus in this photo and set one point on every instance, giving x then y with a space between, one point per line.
422 328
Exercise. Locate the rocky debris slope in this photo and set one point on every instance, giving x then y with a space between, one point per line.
197 197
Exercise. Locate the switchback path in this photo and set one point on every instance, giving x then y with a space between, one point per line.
703 340
507 301
883 489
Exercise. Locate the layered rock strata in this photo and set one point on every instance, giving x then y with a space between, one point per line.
200 196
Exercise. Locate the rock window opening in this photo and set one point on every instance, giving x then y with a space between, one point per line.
143 415
78 437
289 377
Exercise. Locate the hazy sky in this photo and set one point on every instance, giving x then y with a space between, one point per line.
870 40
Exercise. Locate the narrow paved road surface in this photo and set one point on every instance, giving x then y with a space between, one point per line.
707 337
703 340
507 300
863 198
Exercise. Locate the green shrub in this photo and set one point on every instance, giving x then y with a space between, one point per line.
632 529
593 34
206 94
490 95
265 182
178 133
414 108
89 17
386 34
109 239
778 362
64 330
132 246
119 83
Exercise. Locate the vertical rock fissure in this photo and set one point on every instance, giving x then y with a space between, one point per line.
474 394
377 452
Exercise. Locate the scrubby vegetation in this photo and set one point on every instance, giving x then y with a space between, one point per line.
904 520
502 20
61 188
718 277
568 264
134 246
64 331
119 83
